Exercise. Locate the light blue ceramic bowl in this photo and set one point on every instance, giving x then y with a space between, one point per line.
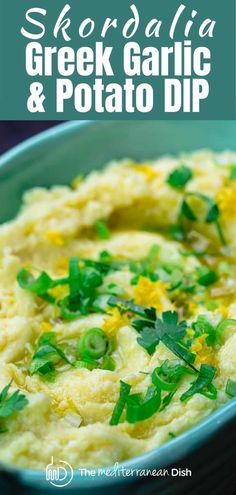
57 156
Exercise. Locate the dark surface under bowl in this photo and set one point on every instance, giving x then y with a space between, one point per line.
56 157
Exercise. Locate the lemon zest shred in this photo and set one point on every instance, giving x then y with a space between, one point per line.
146 169
55 237
115 321
46 326
150 294
226 201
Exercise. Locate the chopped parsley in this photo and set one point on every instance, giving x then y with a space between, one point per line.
146 266
180 177
152 330
102 230
10 404
212 215
206 276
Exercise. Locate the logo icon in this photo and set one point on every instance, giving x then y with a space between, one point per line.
59 476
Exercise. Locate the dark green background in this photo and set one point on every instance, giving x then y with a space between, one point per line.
14 83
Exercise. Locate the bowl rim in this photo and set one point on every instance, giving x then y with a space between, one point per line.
159 457
42 137
65 128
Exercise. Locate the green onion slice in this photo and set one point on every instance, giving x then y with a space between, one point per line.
231 388
93 344
102 230
119 407
203 384
139 408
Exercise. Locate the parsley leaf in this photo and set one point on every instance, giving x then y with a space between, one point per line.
212 214
153 329
180 177
10 404
169 324
206 276
148 339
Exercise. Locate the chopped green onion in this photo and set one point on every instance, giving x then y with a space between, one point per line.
203 384
135 308
231 388
46 356
232 172
108 364
139 408
102 230
83 283
167 399
179 350
177 232
40 285
74 277
222 326
119 407
166 376
89 364
66 312
93 344
160 382
193 253
203 326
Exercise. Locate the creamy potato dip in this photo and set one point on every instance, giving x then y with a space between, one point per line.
75 349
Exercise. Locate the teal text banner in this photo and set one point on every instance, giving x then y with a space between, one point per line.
133 59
